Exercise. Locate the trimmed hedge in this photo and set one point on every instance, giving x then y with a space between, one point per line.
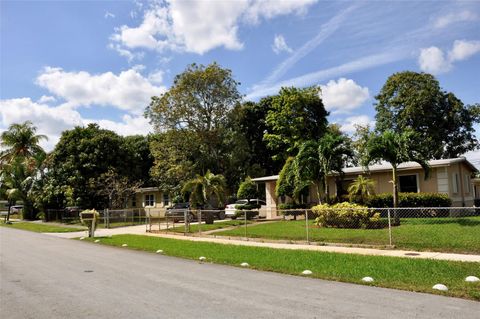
346 215
410 200
292 209
249 209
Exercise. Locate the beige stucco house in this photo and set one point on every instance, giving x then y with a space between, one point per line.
150 198
453 177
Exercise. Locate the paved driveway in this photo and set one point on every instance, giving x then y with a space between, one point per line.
48 277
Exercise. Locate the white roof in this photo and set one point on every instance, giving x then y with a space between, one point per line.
265 178
384 166
147 189
387 167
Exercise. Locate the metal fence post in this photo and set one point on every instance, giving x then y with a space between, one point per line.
389 227
245 224
186 222
200 222
306 225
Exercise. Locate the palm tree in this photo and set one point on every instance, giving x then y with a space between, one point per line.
203 188
395 148
21 160
361 187
20 141
315 161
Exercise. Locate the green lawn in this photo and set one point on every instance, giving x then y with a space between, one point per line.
391 272
206 227
42 228
460 235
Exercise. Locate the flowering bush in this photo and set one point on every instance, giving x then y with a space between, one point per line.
346 215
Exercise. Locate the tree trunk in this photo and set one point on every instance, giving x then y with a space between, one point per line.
317 186
395 195
327 192
8 213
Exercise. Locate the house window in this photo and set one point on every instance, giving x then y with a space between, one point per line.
467 183
134 201
455 182
408 184
166 199
149 200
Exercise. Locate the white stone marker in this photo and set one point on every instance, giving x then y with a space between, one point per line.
124 245
367 279
82 238
472 279
202 258
97 241
307 272
244 265
159 251
440 287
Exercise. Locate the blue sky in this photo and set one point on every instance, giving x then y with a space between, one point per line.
67 63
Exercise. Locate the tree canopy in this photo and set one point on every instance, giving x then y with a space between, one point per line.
411 100
296 115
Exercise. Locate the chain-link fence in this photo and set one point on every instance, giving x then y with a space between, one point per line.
109 218
454 229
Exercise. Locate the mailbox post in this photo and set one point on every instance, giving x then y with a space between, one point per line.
89 218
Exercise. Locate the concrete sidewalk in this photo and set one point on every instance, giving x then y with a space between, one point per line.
141 230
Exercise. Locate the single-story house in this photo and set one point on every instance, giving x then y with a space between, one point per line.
448 176
151 198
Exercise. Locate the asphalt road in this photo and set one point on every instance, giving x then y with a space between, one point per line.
47 277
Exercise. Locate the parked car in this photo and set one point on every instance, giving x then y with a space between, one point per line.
177 212
233 213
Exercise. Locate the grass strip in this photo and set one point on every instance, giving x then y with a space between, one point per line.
390 272
457 235
42 228
194 228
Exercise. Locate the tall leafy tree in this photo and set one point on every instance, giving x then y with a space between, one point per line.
198 101
81 156
395 148
176 159
411 100
296 115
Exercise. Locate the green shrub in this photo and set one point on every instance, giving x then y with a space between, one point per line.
290 209
410 200
346 215
248 189
249 209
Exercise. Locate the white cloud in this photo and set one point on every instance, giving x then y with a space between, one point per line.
463 50
448 19
434 60
108 15
343 95
128 90
130 125
53 120
280 45
350 123
199 26
50 121
269 9
156 76
44 99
